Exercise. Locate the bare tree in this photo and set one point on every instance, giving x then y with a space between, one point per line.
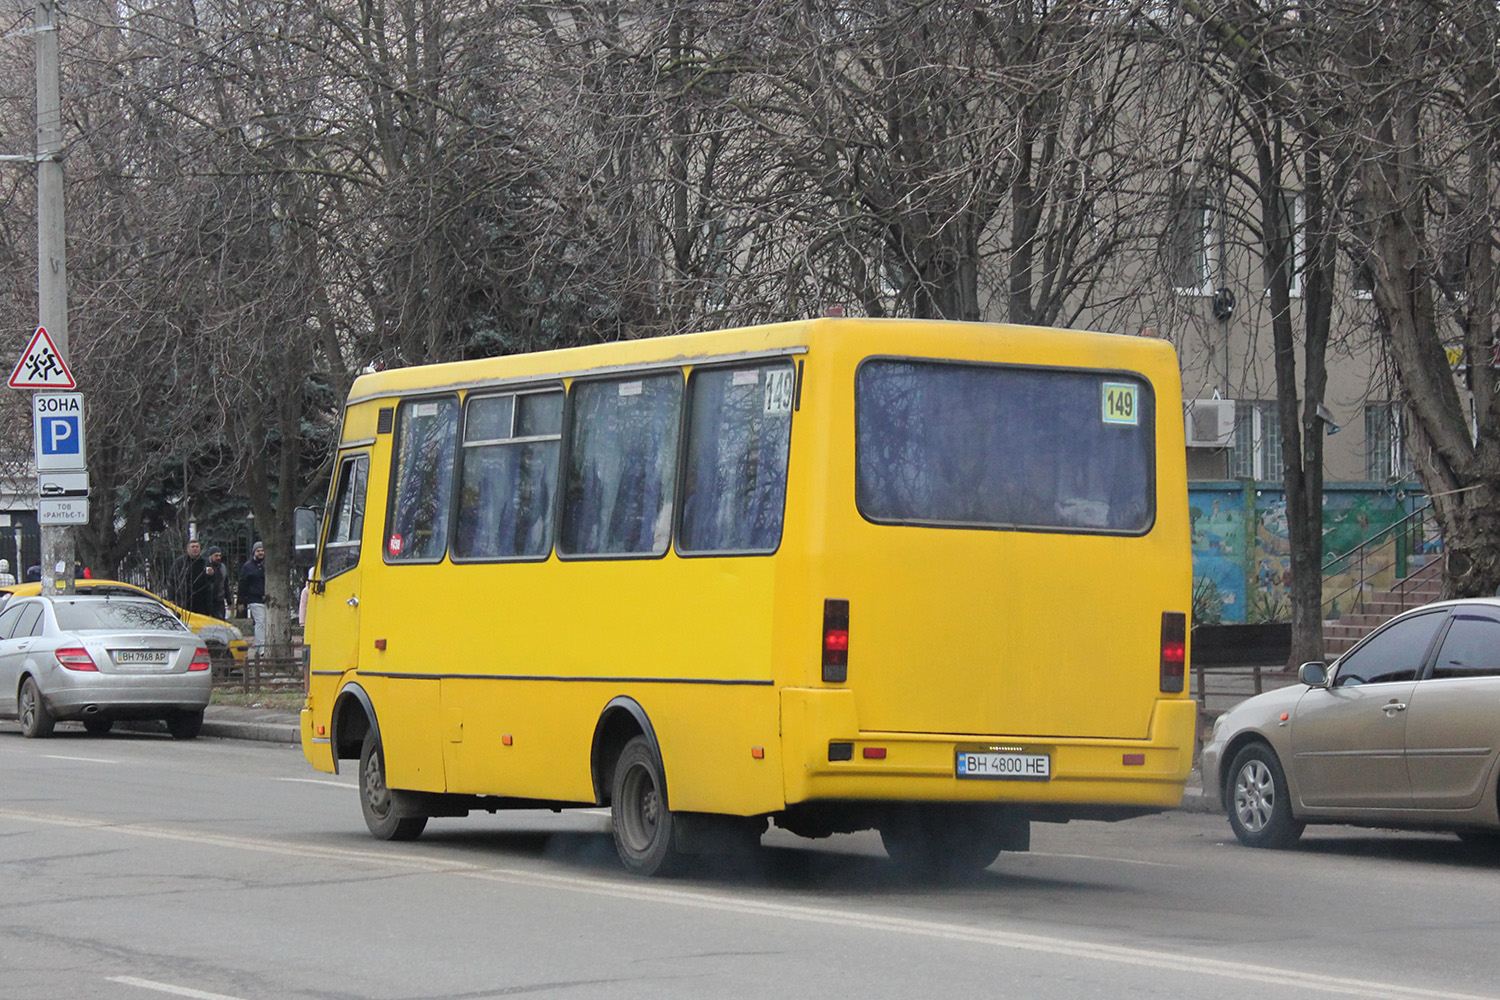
1405 93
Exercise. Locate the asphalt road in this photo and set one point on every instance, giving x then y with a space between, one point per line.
134 867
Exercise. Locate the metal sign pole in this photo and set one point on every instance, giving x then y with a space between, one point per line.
52 270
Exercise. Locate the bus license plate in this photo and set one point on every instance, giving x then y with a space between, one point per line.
1004 766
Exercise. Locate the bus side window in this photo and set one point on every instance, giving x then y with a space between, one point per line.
426 439
509 477
739 435
622 466
341 547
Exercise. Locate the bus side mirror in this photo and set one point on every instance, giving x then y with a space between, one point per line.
1313 674
305 536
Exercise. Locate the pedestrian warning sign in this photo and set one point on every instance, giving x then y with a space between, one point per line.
41 366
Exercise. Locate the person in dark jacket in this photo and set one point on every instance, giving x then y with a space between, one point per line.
189 582
218 590
252 592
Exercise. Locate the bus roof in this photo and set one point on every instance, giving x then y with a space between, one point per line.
940 338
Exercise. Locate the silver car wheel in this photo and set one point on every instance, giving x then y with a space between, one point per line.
1254 795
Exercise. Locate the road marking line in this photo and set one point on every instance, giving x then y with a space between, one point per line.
319 781
1097 857
706 899
88 760
181 991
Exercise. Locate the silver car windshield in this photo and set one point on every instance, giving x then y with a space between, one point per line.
106 616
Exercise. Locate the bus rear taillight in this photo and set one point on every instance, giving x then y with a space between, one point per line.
835 641
1173 651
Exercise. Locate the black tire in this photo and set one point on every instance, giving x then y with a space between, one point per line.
643 823
931 841
1259 804
97 726
377 801
31 709
185 725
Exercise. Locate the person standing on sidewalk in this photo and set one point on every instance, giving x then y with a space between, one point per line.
252 592
188 580
218 589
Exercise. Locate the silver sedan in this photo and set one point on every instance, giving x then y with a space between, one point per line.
99 659
1402 731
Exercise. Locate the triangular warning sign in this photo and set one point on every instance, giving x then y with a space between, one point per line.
41 366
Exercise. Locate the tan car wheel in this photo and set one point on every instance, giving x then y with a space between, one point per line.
1260 808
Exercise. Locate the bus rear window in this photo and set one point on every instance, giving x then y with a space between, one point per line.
990 446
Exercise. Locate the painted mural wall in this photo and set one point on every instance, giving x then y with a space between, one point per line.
1242 555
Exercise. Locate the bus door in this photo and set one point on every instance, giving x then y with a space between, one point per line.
335 632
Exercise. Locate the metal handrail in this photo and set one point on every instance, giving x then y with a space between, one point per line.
1364 547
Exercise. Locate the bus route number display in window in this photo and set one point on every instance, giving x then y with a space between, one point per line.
778 390
1120 404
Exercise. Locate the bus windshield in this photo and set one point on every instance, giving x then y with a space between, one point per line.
988 445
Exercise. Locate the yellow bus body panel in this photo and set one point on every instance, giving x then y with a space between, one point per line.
493 677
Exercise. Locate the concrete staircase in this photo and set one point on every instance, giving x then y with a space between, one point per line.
1421 587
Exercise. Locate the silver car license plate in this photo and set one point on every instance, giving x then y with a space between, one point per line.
143 659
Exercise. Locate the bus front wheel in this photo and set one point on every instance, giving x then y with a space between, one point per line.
379 802
643 825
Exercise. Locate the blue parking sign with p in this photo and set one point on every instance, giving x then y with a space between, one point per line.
61 436
57 423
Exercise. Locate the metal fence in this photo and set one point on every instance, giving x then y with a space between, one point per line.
274 669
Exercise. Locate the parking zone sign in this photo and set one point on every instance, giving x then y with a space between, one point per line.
57 427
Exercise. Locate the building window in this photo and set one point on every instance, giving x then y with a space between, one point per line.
1386 457
1192 251
1294 237
1256 453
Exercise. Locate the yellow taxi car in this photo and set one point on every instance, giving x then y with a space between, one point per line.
221 638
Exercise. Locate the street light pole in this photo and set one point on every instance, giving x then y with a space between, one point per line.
52 268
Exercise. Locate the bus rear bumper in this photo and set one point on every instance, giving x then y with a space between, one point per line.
1084 776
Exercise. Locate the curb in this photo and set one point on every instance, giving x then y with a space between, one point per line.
1194 801
265 732
227 729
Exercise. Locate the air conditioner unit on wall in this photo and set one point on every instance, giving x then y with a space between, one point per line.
1210 423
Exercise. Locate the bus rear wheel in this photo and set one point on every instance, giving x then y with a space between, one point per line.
377 801
643 825
932 841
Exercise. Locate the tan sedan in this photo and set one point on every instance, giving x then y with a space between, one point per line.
1401 731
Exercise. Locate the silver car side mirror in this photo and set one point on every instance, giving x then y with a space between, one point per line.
1313 674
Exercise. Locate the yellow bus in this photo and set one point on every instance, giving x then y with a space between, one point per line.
921 577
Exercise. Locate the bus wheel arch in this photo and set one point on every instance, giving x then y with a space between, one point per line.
353 717
622 720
